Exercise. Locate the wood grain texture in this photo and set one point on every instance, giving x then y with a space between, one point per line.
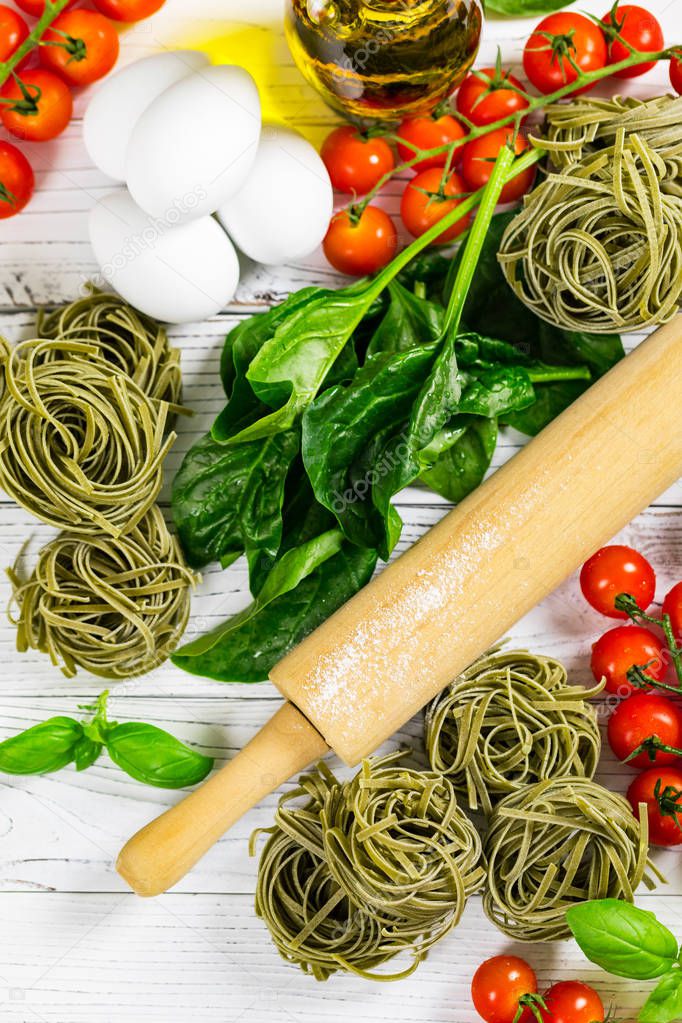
74 947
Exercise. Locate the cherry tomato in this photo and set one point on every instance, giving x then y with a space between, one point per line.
425 201
641 717
676 74
498 985
86 50
661 789
361 246
622 648
128 10
44 114
614 570
672 606
569 1001
428 133
13 31
16 180
483 98
355 163
478 160
37 7
545 61
639 28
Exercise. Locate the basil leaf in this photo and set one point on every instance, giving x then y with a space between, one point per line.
623 939
86 753
155 757
664 1004
41 749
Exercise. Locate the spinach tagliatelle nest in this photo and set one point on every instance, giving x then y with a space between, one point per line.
511 719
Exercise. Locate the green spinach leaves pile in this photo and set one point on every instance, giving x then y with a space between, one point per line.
337 400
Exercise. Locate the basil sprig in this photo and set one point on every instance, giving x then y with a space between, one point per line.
631 942
145 752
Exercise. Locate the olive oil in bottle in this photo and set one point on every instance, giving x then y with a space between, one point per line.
378 60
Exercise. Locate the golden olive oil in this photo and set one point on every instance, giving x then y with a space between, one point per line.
382 59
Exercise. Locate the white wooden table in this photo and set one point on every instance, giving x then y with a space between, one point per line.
75 945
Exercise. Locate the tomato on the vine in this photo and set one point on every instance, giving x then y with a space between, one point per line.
643 717
557 38
13 32
676 74
485 96
478 160
499 987
128 10
41 105
660 789
614 570
37 7
640 29
354 161
623 648
569 1001
427 199
360 244
16 180
81 46
429 133
672 606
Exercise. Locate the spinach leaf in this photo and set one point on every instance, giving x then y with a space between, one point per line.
623 939
428 270
524 8
664 1004
228 498
408 321
461 467
250 644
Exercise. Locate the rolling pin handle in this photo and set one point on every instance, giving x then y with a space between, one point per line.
161 853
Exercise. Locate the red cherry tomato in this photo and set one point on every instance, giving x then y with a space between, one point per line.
45 113
355 163
639 28
426 201
622 648
429 133
676 74
85 47
37 7
672 606
16 180
499 986
569 1001
660 788
614 570
128 10
361 246
483 98
545 61
641 717
13 31
478 160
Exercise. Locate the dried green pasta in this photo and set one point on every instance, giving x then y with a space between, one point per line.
131 342
511 719
114 606
365 870
81 445
557 843
598 246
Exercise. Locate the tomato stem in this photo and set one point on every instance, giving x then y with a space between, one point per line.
627 603
53 8
652 745
669 801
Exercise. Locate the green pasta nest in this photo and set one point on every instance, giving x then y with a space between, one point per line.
555 844
116 607
511 720
364 870
598 246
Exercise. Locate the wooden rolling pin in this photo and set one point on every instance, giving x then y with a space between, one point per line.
389 650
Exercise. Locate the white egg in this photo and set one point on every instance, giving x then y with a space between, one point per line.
175 273
283 210
196 144
116 107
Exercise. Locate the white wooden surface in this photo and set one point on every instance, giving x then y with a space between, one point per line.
75 946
